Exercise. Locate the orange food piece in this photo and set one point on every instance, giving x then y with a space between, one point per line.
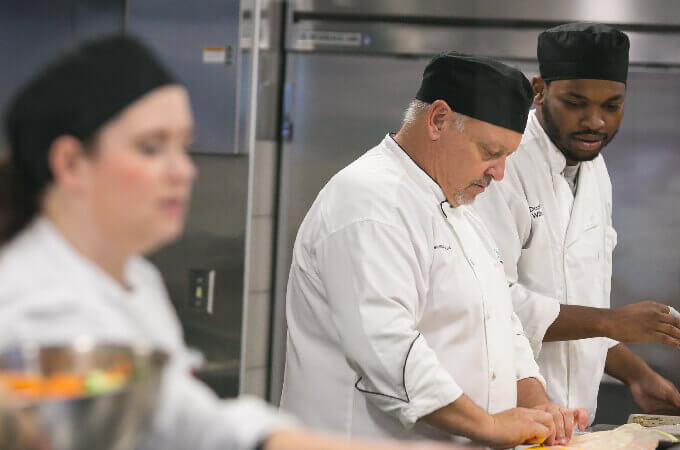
63 385
24 384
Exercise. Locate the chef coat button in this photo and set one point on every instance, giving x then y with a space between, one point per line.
493 376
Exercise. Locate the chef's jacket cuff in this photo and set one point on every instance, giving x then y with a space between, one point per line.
610 343
262 421
524 374
536 324
438 396
428 387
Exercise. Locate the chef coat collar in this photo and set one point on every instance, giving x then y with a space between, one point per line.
556 159
413 170
71 256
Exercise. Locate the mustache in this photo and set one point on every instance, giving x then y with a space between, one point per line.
590 133
484 181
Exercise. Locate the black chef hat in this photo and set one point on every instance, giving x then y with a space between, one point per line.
478 87
583 51
75 95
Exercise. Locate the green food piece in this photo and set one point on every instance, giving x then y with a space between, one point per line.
99 382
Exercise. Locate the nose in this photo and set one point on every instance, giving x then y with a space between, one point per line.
593 119
182 168
496 170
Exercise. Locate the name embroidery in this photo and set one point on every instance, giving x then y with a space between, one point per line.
536 211
442 247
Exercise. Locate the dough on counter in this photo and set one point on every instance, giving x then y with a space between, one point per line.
631 436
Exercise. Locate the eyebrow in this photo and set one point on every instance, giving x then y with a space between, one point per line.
164 134
581 97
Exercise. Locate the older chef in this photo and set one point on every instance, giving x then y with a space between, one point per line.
551 218
400 322
99 174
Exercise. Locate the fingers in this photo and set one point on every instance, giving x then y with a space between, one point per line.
665 339
582 418
558 419
545 424
539 433
672 395
670 330
568 415
669 318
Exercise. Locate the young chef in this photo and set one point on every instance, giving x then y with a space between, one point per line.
99 174
551 218
400 322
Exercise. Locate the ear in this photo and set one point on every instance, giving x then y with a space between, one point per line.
437 115
539 86
66 159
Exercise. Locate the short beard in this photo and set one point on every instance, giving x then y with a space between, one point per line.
459 196
553 131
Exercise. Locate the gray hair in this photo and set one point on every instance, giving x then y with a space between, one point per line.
418 107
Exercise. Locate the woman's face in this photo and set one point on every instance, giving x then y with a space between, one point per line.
138 181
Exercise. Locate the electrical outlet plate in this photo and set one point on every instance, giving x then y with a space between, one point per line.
201 289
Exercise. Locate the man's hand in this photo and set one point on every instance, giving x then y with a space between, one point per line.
517 426
644 322
640 322
502 430
656 395
564 420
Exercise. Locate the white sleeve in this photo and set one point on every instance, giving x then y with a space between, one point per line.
524 356
189 415
370 272
506 215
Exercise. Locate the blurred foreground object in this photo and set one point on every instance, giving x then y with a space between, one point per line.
77 396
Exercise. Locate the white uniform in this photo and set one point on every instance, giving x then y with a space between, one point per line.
557 249
397 304
49 294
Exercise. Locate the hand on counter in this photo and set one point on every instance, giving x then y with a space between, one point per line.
519 426
656 395
505 429
653 393
565 419
531 394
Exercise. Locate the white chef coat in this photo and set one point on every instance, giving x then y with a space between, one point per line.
50 294
396 305
557 249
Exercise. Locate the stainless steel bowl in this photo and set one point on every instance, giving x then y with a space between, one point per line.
108 421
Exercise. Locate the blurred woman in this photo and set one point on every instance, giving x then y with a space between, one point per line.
98 175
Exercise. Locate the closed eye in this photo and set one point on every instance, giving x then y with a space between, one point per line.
490 154
613 107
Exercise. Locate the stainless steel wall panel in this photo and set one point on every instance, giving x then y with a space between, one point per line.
213 239
611 11
33 31
179 31
647 47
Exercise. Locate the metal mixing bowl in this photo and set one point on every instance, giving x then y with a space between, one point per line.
107 421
